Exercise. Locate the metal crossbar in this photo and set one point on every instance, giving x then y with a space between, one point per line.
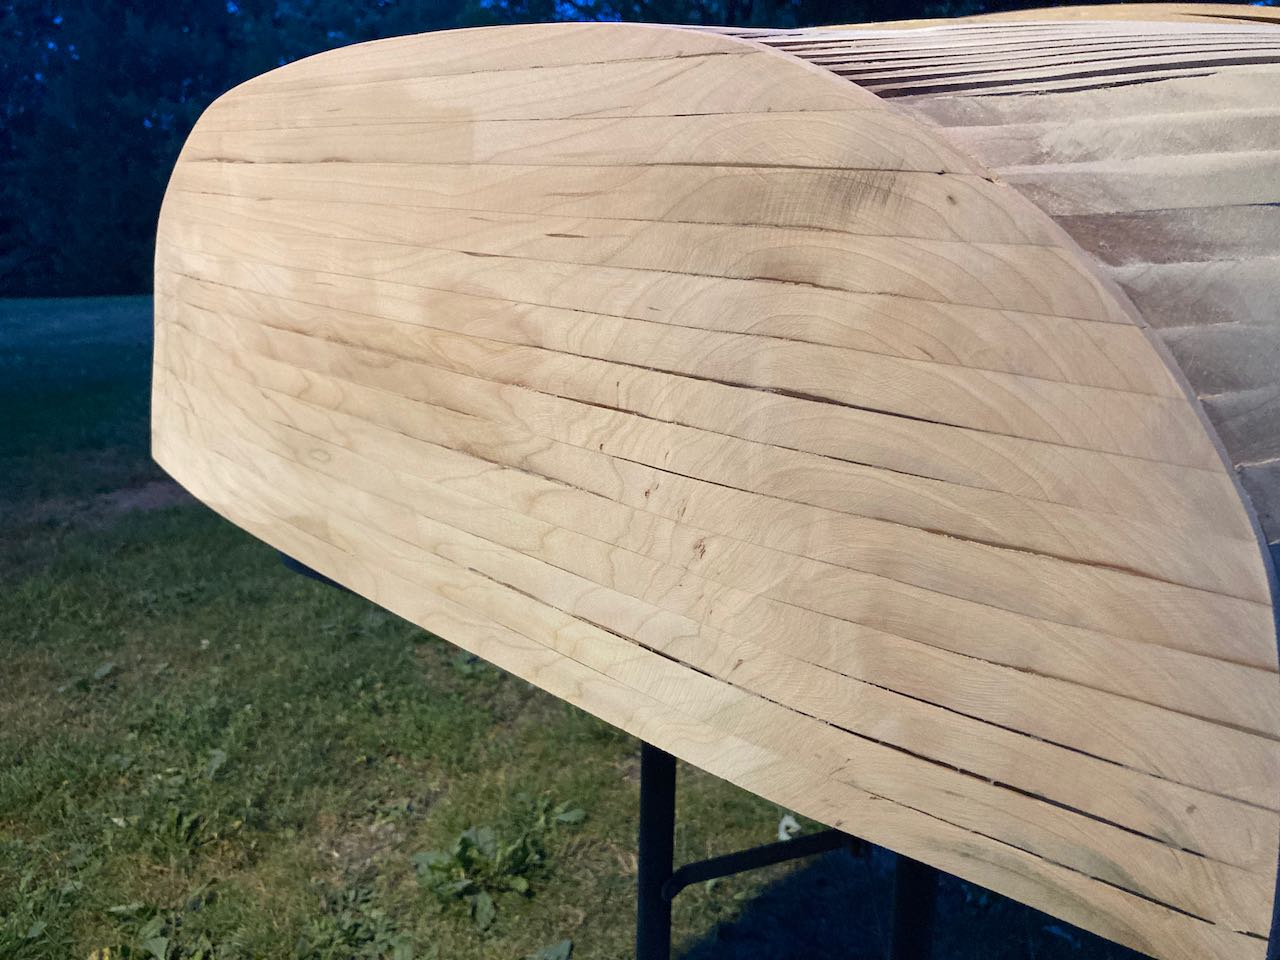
658 883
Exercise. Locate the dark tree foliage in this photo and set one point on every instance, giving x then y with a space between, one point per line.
97 96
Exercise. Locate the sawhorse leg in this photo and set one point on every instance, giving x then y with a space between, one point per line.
915 888
657 881
657 852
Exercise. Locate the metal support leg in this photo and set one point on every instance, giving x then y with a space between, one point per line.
658 883
784 851
657 850
914 892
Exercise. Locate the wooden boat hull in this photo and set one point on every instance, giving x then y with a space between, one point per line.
760 415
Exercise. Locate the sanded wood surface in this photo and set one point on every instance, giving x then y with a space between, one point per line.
1136 11
783 399
1156 146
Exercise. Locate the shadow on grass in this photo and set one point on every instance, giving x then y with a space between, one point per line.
840 907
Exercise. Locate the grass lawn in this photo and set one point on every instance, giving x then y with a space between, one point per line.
203 755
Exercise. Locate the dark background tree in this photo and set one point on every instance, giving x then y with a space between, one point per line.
97 96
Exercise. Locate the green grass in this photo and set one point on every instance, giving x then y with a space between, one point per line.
74 404
203 755
74 401
193 734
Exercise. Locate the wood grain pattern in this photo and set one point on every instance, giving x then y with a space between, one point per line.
1169 182
788 399
1142 13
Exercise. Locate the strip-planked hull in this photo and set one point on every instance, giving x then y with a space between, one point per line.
815 431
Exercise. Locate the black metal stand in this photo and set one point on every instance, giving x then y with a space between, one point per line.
915 887
657 883
656 854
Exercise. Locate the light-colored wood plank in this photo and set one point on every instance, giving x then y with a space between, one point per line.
516 47
1204 292
1138 425
1124 137
935 60
1146 183
821 441
1168 14
866 202
806 140
1173 234
1040 346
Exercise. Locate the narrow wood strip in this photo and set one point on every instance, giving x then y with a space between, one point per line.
1104 186
957 42
1247 421
874 59
863 202
1240 360
1261 482
1052 66
1228 291
1156 17
723 80
516 47
1069 82
1124 137
1199 235
956 36
947 45
941 33
829 140
1055 86
1225 89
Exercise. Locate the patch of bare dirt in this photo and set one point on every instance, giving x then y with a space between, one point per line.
95 511
356 846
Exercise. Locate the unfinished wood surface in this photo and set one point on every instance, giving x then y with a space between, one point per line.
1156 146
790 400
1203 13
